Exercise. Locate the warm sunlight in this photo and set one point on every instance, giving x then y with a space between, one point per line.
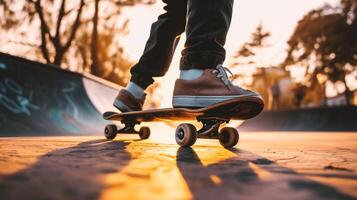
278 16
81 116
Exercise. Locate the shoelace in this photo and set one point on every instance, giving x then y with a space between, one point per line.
221 73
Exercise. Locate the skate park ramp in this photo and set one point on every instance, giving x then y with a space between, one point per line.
39 99
342 118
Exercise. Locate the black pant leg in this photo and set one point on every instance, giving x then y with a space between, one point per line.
161 44
207 26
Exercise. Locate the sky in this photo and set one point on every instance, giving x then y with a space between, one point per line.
277 16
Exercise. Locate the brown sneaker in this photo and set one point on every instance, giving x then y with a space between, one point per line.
211 88
126 102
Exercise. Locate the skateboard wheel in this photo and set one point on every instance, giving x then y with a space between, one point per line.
144 132
110 131
186 135
228 137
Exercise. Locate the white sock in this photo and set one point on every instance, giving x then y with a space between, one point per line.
190 74
135 90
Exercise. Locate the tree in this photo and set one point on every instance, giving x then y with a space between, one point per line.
60 23
50 38
96 65
85 34
249 55
250 50
324 42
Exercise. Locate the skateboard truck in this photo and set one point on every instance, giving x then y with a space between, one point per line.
210 127
128 127
186 134
111 130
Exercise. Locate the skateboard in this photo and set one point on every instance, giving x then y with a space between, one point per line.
211 117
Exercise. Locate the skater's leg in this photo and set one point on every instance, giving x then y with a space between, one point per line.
161 44
203 80
207 27
156 57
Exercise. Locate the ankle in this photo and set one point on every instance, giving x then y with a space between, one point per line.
134 89
191 74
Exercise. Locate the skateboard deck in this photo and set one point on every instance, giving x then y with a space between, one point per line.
186 134
238 109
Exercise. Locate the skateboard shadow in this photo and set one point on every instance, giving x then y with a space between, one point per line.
68 173
248 176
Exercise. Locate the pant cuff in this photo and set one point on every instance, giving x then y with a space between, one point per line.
141 80
200 62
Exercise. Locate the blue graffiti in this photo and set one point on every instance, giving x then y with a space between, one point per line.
13 86
68 107
2 66
67 95
18 104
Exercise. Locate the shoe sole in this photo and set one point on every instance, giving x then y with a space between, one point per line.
183 101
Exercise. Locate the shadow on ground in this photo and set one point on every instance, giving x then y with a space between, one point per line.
249 176
78 173
69 173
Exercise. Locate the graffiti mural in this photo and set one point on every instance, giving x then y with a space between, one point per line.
37 99
12 98
2 66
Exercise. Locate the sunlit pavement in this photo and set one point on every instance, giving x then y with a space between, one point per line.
262 166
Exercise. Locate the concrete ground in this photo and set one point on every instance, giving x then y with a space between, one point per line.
273 165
